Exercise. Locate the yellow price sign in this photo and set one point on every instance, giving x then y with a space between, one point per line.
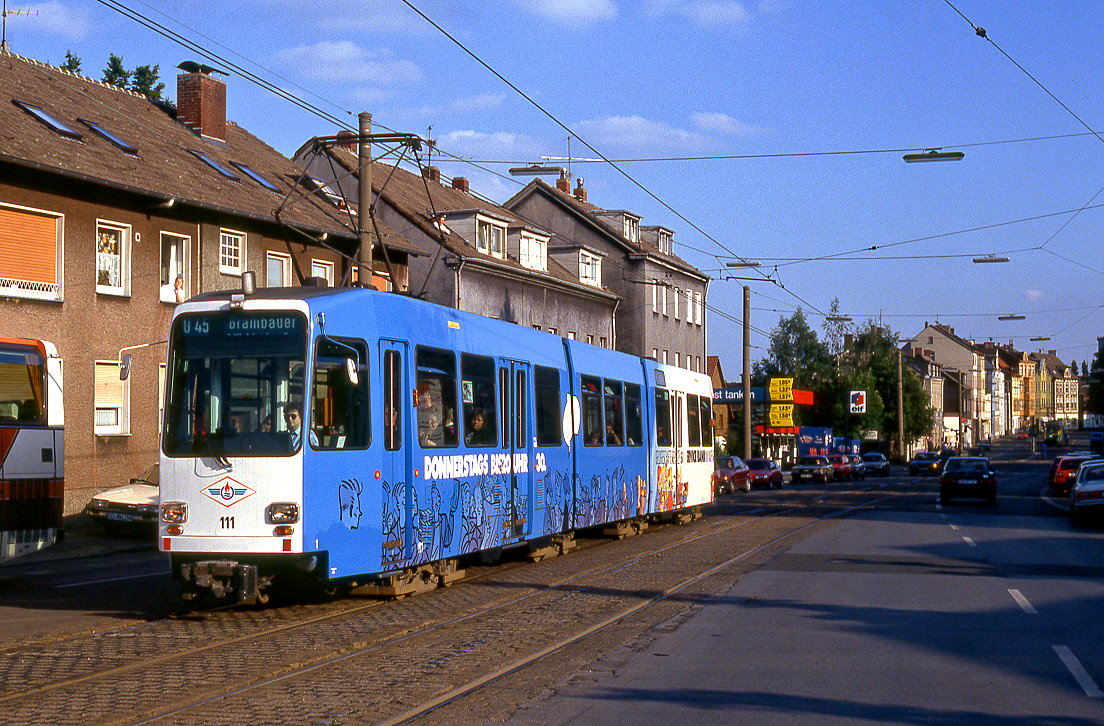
781 414
781 389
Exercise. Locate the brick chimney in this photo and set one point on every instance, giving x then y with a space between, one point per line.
580 191
348 140
432 173
564 184
201 103
460 184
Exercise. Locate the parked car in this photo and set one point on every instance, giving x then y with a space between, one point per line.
812 468
968 476
764 473
729 474
1064 470
1087 494
841 467
858 466
133 506
924 462
876 464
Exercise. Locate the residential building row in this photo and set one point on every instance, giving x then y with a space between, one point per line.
984 390
114 208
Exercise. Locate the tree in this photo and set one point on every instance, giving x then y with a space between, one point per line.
115 73
72 62
836 328
1095 402
144 79
794 352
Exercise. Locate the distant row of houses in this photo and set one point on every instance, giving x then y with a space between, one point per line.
983 390
114 208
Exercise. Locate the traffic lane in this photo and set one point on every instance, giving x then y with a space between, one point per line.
53 597
887 617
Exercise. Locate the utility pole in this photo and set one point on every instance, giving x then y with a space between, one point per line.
364 201
900 409
747 372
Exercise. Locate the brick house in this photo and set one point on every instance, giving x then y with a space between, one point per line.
112 208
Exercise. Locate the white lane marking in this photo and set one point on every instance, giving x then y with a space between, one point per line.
969 541
1069 660
954 527
1023 602
109 579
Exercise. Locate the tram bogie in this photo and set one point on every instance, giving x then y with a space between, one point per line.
352 435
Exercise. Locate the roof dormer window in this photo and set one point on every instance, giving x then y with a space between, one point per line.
664 241
590 269
631 228
491 238
533 252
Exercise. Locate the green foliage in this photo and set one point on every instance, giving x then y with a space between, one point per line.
115 73
144 79
72 62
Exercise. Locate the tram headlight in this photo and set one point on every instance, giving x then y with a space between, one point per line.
174 512
282 513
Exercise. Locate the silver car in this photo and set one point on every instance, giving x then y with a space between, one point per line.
1087 494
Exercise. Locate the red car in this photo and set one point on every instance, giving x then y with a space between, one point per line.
764 473
730 474
1064 471
841 466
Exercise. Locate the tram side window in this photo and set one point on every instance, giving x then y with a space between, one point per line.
436 397
478 391
504 404
339 407
392 400
549 426
592 411
521 416
706 421
634 415
693 427
663 417
22 378
615 421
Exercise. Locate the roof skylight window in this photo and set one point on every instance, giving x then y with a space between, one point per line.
40 113
215 165
255 176
128 148
328 191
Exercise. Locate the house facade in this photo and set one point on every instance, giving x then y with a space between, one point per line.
662 309
964 369
113 209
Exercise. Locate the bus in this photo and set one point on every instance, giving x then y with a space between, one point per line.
32 448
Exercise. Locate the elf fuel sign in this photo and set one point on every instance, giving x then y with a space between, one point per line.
858 401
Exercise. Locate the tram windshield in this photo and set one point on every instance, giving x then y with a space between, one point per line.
22 380
235 384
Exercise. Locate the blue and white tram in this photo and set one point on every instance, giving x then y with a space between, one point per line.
350 435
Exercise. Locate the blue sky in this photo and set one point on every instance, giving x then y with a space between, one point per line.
779 83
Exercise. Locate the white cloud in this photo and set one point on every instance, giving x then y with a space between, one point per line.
572 12
707 13
492 145
722 123
70 22
346 62
639 133
1034 295
469 104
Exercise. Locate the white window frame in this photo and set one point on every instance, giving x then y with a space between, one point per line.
490 237
663 300
675 300
655 296
678 359
284 261
124 232
121 425
631 228
665 242
231 258
664 360
655 353
180 246
533 252
590 269
326 268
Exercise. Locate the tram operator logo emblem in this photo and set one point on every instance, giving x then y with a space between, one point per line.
227 491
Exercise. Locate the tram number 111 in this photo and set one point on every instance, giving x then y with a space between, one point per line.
226 522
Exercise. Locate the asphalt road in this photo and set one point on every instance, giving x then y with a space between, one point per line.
924 614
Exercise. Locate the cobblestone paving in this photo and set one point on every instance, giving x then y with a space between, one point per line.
362 661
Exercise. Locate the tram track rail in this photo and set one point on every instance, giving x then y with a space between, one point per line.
428 624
